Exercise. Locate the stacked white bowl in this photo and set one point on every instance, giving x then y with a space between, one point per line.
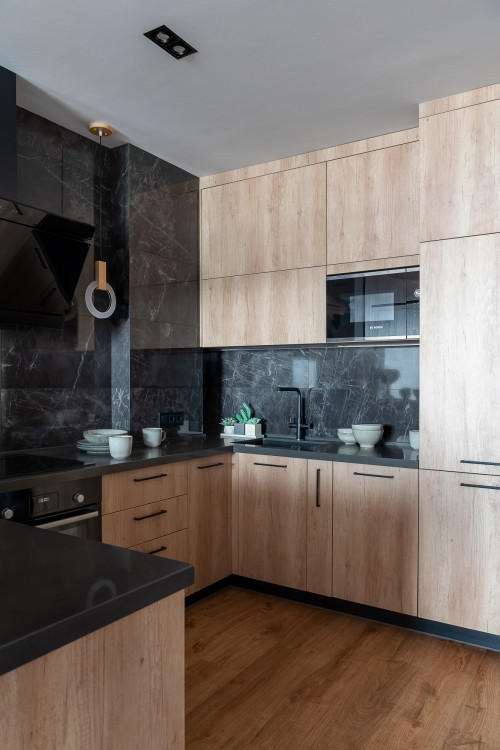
345 434
367 435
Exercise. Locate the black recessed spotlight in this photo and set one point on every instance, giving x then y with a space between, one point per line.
170 42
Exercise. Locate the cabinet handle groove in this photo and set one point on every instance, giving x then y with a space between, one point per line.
151 515
479 486
155 551
146 479
210 466
317 488
379 476
481 463
275 466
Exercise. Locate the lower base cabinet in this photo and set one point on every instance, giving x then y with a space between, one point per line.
375 536
319 527
272 519
459 564
209 519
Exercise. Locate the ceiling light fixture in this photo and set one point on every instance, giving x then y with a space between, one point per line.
170 42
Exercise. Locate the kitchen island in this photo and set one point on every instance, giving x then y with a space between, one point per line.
91 644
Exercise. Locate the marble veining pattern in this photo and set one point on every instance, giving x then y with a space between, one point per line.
341 386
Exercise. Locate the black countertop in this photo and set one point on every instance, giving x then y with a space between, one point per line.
56 588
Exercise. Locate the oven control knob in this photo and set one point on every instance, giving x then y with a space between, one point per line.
78 497
7 513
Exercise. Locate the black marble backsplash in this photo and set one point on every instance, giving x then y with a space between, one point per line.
341 386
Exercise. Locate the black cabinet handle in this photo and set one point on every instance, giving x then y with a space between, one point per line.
155 551
210 466
317 488
275 466
479 486
146 479
481 463
151 515
379 476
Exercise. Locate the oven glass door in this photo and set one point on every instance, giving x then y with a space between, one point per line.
367 306
84 525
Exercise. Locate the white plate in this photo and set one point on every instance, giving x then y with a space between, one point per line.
84 445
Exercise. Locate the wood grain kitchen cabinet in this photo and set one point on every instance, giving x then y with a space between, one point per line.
459 561
460 180
268 223
319 527
460 355
128 489
273 519
375 536
283 307
209 527
132 526
147 510
373 205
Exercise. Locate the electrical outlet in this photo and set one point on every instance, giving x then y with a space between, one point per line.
170 419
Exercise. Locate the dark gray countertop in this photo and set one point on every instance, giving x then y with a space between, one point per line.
384 454
56 588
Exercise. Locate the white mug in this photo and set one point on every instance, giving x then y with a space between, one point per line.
153 436
120 446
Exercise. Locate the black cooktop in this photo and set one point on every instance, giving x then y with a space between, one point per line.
19 464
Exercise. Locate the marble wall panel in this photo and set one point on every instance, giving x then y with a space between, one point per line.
340 386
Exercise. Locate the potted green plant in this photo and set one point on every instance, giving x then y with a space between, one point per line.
246 424
228 424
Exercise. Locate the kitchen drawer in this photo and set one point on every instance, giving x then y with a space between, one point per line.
174 546
145 522
129 489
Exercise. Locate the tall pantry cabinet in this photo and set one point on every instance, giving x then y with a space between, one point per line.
460 356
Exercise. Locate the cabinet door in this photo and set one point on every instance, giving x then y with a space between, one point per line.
460 355
375 536
272 519
460 151
284 307
133 526
127 489
209 527
373 205
267 223
319 527
459 561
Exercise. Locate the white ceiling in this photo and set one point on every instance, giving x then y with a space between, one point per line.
272 78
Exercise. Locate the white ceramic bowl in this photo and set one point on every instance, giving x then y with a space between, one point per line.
345 434
101 436
367 435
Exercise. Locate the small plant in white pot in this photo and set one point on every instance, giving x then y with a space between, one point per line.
228 424
246 424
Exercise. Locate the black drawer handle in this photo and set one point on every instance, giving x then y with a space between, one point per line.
146 479
155 551
379 476
151 515
210 466
275 466
481 463
317 487
479 486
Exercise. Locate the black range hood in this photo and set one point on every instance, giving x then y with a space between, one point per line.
8 134
41 259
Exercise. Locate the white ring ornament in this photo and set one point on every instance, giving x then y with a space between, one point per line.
90 303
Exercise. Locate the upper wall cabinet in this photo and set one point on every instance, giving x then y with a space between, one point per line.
264 309
373 207
460 165
269 223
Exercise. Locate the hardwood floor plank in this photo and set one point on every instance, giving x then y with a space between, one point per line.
266 673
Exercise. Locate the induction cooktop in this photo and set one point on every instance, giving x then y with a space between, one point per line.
21 464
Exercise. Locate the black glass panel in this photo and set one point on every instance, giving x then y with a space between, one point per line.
18 464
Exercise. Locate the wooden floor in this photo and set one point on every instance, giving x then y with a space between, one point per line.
263 672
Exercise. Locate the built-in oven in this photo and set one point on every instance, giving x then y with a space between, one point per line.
70 506
373 306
